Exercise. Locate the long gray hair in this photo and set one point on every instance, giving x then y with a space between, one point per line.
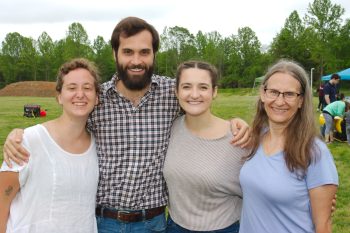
301 130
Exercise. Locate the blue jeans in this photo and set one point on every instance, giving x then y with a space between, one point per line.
108 225
172 227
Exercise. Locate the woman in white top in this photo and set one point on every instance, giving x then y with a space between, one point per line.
55 191
201 166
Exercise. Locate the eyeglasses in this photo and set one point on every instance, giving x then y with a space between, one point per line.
288 96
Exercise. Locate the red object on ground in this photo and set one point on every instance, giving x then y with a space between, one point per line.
42 113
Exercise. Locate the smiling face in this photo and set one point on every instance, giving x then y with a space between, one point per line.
78 95
195 91
135 60
280 111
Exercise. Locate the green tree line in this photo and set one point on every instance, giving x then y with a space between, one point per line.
320 39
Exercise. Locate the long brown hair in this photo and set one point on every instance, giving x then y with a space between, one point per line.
301 131
213 72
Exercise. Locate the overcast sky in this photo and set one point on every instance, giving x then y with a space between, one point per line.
265 17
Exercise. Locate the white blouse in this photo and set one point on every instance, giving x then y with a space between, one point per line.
57 188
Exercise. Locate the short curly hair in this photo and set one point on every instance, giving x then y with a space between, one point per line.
76 64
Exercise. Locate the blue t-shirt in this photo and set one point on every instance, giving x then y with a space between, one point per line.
276 200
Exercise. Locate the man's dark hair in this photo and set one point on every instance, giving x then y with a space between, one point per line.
130 26
335 76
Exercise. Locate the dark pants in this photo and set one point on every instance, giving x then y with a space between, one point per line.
321 103
172 227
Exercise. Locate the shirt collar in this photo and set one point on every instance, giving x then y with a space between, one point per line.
110 86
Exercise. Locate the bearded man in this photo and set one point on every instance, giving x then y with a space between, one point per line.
131 125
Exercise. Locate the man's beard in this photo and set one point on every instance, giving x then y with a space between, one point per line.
135 82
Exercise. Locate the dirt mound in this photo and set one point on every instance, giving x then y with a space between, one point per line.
30 88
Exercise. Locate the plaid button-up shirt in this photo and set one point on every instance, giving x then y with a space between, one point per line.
131 144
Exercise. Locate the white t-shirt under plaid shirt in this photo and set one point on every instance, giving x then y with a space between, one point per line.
132 143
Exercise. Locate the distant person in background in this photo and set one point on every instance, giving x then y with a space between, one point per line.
347 122
56 190
290 178
330 89
320 97
336 108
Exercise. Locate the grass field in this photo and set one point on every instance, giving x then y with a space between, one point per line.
228 104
